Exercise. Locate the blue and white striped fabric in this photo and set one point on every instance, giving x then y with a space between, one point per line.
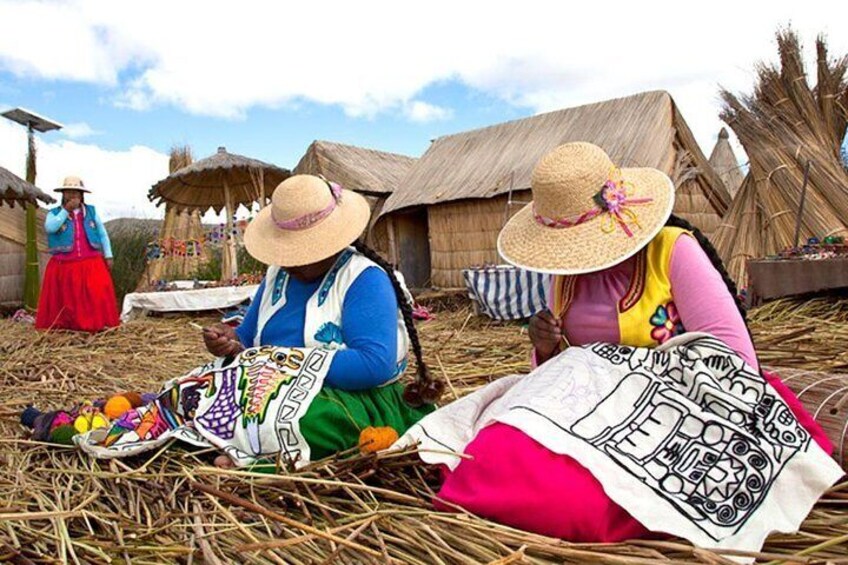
506 292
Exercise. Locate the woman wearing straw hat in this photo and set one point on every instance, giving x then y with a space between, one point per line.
326 289
627 272
77 293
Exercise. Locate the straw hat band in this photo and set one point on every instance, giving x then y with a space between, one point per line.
611 200
311 219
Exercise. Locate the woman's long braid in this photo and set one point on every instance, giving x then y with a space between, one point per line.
715 259
425 389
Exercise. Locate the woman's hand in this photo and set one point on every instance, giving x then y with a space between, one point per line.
72 204
545 334
221 340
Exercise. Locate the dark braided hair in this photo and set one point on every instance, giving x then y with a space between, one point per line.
425 389
707 246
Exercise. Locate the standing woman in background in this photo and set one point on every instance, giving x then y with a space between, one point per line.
77 293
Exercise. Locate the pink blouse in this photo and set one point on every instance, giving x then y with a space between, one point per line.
701 297
82 248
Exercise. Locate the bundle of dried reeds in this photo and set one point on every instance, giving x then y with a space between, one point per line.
57 505
783 125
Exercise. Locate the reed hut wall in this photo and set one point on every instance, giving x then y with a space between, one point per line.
13 251
464 234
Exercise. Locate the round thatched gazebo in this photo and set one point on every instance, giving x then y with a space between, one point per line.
223 181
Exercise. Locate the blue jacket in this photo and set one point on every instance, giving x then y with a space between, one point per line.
60 231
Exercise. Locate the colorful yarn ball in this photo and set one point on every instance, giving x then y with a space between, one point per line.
63 435
61 419
135 399
372 440
99 421
116 407
29 415
82 424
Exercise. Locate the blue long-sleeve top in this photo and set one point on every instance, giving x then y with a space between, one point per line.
55 221
369 329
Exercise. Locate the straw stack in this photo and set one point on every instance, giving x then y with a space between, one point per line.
783 125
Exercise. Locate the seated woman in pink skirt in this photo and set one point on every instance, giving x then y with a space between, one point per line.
628 273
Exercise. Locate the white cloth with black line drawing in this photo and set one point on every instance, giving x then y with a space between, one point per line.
687 437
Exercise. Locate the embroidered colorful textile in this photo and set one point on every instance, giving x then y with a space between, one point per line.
250 408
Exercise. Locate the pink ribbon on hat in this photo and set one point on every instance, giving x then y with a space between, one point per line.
308 220
612 199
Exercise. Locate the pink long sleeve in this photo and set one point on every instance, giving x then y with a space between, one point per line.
703 301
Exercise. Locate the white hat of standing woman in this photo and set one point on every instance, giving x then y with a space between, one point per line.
309 219
587 214
72 183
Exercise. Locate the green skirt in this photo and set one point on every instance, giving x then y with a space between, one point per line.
336 417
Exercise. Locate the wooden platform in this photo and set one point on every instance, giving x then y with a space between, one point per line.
768 280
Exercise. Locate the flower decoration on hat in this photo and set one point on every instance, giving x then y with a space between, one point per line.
613 205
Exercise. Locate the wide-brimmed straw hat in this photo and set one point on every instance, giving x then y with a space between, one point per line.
309 219
587 215
72 183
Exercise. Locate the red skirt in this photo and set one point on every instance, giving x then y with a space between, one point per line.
77 295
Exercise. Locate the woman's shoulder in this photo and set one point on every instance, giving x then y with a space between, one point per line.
373 274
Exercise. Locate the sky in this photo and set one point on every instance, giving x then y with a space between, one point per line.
129 80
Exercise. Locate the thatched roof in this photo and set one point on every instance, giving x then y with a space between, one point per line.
725 164
15 189
200 184
641 130
364 170
782 126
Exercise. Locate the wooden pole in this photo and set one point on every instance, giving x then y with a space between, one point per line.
229 267
261 189
393 251
801 204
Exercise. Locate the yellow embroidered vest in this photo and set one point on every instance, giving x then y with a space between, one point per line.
647 315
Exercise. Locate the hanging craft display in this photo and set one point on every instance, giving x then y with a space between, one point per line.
170 247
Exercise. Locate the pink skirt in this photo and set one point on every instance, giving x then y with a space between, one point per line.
516 481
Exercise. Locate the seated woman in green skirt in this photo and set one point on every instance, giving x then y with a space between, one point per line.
325 289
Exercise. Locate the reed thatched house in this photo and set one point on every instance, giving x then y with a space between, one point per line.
15 194
369 172
784 125
725 163
447 212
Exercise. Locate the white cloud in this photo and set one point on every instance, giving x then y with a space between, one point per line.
423 112
78 130
119 180
208 58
